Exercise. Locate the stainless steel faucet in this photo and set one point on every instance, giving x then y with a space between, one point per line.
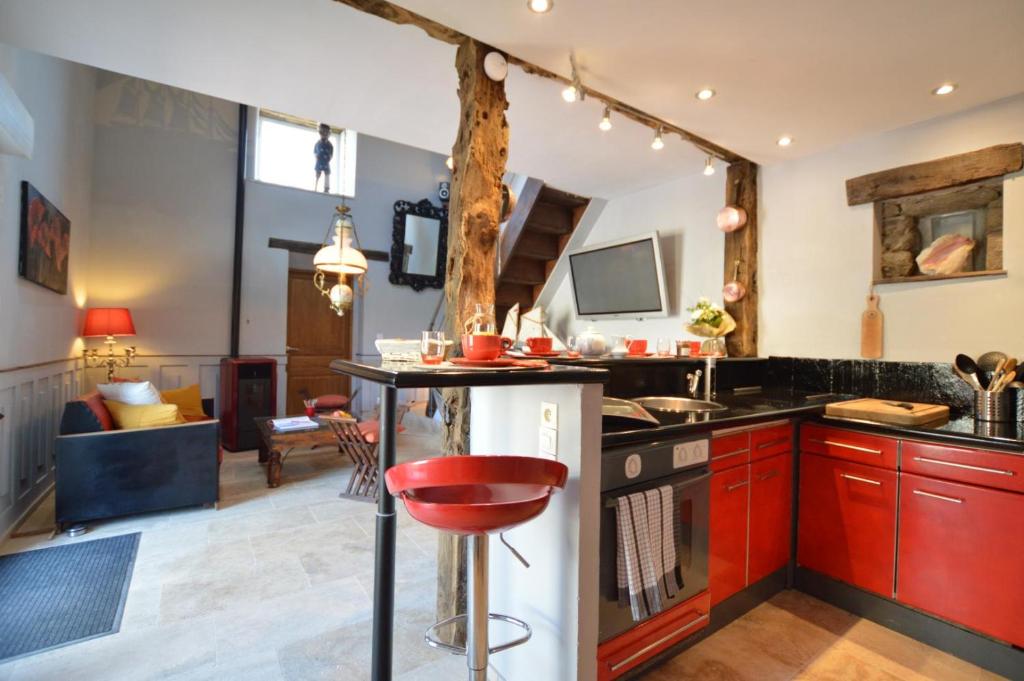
692 381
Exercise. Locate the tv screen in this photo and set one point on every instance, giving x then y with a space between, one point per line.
619 279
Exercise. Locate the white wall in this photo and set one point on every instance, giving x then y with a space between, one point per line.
164 210
816 258
36 324
692 247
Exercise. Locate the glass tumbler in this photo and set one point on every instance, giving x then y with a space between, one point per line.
432 347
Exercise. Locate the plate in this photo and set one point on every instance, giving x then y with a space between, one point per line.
639 354
553 353
482 363
448 366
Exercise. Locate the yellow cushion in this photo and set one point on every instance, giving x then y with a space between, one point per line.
130 416
189 400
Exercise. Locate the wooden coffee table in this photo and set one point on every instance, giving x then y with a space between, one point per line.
277 446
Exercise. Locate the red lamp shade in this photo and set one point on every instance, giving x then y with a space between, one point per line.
108 321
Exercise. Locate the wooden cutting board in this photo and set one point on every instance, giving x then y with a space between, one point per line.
887 411
871 329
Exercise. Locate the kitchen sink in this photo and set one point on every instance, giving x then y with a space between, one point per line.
678 404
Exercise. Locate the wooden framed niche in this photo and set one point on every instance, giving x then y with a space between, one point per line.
951 206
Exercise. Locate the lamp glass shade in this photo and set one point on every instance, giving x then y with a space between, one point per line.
340 256
108 321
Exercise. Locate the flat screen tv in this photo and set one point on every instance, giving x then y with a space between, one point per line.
619 279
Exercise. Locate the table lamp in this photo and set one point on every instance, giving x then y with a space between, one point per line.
108 322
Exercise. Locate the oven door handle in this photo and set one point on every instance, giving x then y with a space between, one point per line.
611 499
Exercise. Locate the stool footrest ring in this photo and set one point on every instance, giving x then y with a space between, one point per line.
431 636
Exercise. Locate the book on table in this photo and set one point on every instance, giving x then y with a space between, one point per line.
293 423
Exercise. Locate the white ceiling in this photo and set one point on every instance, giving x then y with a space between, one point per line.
824 71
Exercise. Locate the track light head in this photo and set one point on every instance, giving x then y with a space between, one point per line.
657 143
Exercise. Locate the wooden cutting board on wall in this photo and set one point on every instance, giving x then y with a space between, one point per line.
871 329
889 411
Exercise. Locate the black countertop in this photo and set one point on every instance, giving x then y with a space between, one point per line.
404 375
750 408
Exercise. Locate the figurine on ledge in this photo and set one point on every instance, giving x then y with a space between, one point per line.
324 152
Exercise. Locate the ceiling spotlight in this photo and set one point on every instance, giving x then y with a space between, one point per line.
450 162
574 92
657 143
606 120
540 6
944 89
785 141
705 94
709 167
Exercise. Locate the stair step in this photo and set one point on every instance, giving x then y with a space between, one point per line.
552 195
524 271
536 246
508 295
550 218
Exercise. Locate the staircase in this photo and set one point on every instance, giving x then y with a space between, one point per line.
535 235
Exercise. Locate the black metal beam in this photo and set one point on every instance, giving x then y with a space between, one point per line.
236 275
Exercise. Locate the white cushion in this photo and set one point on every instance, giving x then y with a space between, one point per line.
130 393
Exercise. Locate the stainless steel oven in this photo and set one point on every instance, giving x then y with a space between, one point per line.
625 470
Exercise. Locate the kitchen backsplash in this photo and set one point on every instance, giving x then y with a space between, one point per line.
911 381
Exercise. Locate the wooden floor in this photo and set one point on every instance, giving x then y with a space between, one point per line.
795 636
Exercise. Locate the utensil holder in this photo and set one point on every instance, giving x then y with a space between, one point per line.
1017 399
992 406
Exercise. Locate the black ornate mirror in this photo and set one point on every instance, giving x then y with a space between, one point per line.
419 245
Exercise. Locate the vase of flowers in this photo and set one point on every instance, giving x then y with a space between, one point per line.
711 321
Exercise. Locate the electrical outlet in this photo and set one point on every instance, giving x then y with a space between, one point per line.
549 442
549 415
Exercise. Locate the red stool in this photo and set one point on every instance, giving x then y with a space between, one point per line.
476 496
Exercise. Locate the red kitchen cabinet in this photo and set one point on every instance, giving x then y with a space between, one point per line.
771 513
727 541
847 522
961 556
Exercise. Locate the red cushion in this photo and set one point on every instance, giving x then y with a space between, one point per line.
370 430
94 401
331 402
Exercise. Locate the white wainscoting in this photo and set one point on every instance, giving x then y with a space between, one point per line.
32 401
168 372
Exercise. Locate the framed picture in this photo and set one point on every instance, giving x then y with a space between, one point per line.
45 241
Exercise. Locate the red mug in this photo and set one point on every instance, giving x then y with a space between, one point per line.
310 411
483 347
637 346
539 344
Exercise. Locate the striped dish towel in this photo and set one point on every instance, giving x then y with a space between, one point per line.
646 557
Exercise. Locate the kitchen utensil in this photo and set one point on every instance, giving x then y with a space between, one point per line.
970 370
885 411
997 375
734 290
1019 385
1007 372
871 323
990 360
992 406
1004 381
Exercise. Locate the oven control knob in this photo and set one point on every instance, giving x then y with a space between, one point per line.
633 466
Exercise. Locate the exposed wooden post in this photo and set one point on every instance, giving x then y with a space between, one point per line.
741 191
479 154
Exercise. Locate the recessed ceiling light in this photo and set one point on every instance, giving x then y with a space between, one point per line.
785 141
944 89
705 94
540 6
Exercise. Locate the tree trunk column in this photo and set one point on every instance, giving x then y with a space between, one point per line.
479 155
741 191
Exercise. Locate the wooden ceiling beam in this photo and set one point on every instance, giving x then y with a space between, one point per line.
438 31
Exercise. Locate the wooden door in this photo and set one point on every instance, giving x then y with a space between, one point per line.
771 504
316 336
727 540
959 554
847 522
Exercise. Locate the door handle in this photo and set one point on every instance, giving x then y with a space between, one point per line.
289 348
769 475
942 497
857 478
980 469
772 443
736 485
844 445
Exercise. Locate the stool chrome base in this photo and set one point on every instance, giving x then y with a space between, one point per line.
431 636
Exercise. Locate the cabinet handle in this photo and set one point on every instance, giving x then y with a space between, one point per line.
769 475
860 479
843 445
651 646
736 485
772 443
931 495
726 456
980 469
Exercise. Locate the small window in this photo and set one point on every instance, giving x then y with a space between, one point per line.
285 154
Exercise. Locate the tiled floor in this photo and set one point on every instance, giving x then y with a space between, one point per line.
276 585
795 636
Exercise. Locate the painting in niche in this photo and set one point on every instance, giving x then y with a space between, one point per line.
45 241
